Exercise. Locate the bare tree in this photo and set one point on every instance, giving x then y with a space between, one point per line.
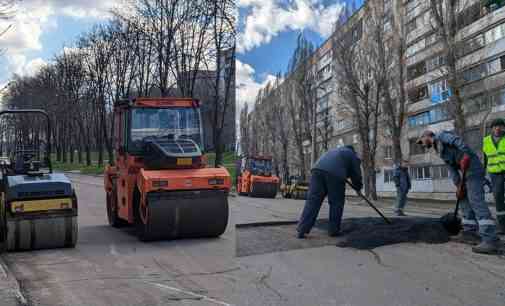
300 98
360 83
446 23
223 57
390 36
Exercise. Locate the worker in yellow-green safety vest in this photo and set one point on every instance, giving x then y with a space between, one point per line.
493 148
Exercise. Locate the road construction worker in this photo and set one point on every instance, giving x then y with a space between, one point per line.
476 214
328 177
493 147
401 178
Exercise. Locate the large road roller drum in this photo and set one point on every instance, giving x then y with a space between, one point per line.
263 190
183 214
34 222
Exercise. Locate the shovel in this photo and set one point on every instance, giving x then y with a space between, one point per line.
369 203
451 222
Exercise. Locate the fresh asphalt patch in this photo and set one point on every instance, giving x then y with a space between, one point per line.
359 233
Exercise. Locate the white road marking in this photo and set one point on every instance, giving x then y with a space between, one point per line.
113 250
203 297
4 273
21 299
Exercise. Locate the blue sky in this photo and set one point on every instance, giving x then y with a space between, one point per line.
39 29
268 30
267 34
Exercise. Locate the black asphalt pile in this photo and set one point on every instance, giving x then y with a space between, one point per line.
359 233
370 233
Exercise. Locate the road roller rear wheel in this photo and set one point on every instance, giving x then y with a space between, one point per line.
112 215
143 224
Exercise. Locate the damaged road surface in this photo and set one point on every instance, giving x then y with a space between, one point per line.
360 233
110 266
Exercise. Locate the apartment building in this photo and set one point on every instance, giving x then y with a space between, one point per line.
481 62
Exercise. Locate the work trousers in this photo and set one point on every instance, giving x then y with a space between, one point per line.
476 213
401 199
323 184
498 181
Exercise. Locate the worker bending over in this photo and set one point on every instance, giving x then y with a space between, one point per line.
476 215
493 147
328 177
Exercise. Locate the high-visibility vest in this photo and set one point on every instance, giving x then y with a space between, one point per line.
495 156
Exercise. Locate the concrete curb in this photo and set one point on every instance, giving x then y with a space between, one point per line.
10 290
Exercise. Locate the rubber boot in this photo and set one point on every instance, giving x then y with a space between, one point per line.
487 247
300 235
400 213
467 237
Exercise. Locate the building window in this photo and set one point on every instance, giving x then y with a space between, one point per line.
435 62
493 5
416 47
355 138
420 173
387 22
412 25
388 176
343 124
414 148
412 4
472 45
416 70
469 15
439 172
434 115
440 91
418 94
388 152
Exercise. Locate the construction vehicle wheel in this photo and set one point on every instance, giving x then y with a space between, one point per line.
182 214
112 215
143 224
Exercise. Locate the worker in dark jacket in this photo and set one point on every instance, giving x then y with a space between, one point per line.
401 178
476 214
328 177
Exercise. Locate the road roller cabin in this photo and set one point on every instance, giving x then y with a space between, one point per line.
256 179
160 182
39 207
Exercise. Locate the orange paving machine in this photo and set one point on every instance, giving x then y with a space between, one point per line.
256 179
160 181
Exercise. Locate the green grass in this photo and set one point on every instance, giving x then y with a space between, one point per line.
229 159
93 169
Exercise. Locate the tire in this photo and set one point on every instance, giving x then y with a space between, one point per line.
112 215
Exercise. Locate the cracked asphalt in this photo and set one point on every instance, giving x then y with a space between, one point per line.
111 267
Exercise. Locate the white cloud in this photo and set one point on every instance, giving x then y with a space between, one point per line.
33 18
34 66
17 63
247 87
268 18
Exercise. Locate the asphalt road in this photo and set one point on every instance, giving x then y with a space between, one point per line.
111 267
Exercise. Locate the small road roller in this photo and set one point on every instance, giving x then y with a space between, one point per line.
39 207
256 178
295 188
160 182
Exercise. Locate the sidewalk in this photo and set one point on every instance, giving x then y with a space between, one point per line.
10 293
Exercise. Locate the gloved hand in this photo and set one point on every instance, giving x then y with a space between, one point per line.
461 191
464 163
